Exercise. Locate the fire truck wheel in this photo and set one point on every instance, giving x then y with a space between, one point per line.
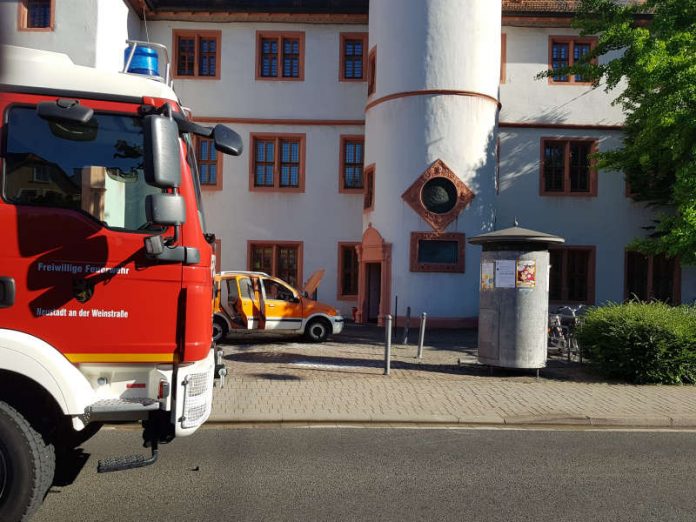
27 465
317 330
219 329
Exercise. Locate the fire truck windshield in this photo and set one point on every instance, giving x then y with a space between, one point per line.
95 168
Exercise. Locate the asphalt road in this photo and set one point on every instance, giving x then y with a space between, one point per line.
388 474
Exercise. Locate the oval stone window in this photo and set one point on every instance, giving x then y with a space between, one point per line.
439 195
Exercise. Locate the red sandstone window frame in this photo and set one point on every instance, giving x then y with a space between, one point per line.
341 272
300 138
275 247
417 266
198 141
564 276
279 36
571 41
196 35
650 278
217 250
503 56
566 192
23 7
346 139
369 191
342 56
372 71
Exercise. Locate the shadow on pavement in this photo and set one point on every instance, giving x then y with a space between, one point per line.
69 464
451 351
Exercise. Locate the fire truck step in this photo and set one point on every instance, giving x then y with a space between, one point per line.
122 406
127 462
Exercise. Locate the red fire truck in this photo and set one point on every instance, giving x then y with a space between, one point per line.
106 269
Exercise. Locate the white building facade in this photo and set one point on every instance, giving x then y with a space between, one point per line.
380 136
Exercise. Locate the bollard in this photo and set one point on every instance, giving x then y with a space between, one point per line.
421 335
408 321
220 367
387 346
396 312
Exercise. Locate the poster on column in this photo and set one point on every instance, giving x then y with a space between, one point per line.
505 273
526 273
487 276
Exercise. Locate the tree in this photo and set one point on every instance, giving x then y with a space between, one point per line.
655 47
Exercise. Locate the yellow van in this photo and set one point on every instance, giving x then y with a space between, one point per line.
259 302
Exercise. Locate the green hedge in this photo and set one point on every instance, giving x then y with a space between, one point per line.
642 342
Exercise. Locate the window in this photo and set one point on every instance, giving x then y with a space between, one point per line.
565 51
94 168
279 56
566 167
372 71
209 164
353 57
352 156
503 56
197 54
369 199
432 252
277 162
277 291
572 275
280 259
652 277
36 15
347 271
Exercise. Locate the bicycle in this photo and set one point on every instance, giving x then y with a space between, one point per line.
557 333
570 318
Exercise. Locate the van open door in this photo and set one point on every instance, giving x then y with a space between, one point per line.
251 306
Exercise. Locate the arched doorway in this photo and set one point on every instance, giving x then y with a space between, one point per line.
374 280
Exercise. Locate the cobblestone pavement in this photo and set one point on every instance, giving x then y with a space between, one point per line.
283 379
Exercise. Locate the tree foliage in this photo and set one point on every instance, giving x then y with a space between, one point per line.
646 51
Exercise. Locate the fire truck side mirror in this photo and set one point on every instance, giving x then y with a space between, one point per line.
162 162
227 141
165 209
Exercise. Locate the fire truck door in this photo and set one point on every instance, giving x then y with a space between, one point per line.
74 215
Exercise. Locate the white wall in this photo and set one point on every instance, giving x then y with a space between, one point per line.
526 99
74 33
116 23
608 221
320 217
238 93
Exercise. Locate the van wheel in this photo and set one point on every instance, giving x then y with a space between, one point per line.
317 330
219 329
27 465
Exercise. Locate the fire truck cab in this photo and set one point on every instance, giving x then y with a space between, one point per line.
106 268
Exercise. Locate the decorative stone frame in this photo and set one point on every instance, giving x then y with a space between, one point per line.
342 56
374 249
279 36
457 267
218 164
301 138
196 35
412 196
23 15
348 138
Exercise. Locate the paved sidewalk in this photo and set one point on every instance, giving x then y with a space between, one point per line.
276 379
